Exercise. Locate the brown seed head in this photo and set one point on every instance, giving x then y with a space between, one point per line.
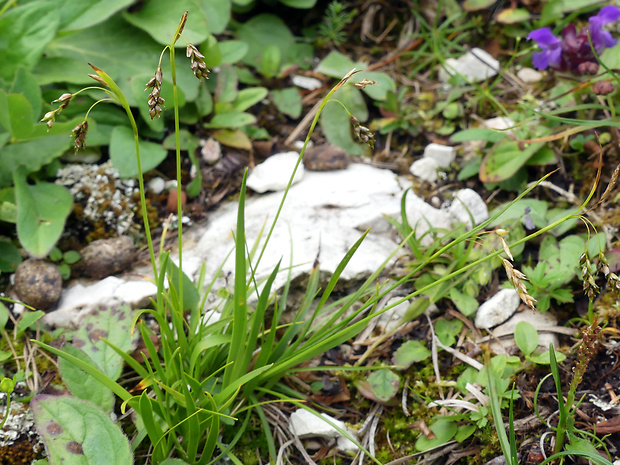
197 62
79 134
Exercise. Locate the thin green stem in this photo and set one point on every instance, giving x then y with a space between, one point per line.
175 94
299 159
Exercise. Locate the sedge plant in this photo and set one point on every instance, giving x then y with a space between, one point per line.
209 374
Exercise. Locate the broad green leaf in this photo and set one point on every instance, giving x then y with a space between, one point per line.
210 48
287 101
187 141
270 61
474 5
512 15
264 30
204 102
384 384
464 431
9 257
230 120
115 47
378 91
25 31
86 13
76 432
544 358
447 330
113 323
465 303
227 82
336 65
123 153
80 384
408 353
232 50
160 19
41 213
305 4
336 122
526 337
443 429
233 138
21 116
4 316
535 209
489 135
32 155
26 84
505 159
248 97
71 256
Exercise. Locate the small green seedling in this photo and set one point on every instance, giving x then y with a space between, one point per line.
64 261
7 385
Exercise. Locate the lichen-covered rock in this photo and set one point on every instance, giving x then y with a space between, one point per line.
105 257
38 283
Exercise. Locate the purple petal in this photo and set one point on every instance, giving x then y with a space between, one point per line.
540 60
608 14
602 39
544 37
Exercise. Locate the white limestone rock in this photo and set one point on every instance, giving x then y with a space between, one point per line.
422 217
468 204
442 154
425 169
77 301
497 309
500 123
274 173
156 185
306 425
325 212
476 65
529 75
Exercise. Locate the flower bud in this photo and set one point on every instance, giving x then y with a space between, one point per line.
602 87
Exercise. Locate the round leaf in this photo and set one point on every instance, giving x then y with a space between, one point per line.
443 429
410 352
231 120
384 384
526 337
287 101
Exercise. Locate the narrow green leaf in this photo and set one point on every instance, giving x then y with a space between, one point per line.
27 320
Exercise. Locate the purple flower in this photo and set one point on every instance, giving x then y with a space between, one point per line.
551 48
601 38
573 52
